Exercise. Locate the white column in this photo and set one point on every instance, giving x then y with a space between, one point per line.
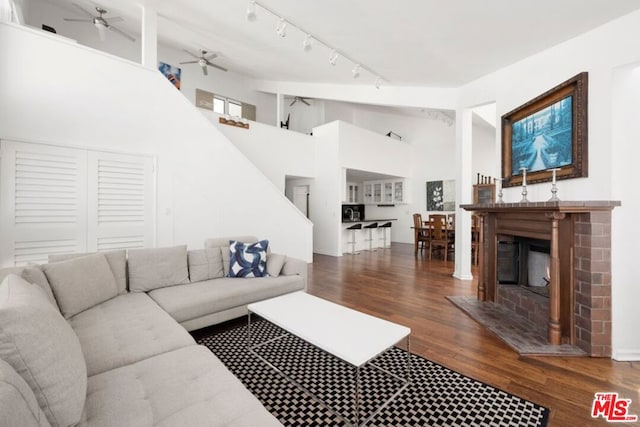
464 192
279 108
149 38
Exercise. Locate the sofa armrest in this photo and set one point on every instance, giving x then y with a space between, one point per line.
295 266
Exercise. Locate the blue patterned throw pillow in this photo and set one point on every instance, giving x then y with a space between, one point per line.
248 259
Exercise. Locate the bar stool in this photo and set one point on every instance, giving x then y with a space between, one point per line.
353 229
384 234
370 227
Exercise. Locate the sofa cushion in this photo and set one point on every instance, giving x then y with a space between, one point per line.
124 330
157 267
18 404
185 387
42 348
199 299
205 264
34 277
248 259
81 283
275 262
117 261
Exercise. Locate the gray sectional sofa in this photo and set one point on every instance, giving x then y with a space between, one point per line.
101 339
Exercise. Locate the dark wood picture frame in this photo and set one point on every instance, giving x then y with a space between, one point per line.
484 193
536 119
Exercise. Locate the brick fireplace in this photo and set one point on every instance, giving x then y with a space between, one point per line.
578 307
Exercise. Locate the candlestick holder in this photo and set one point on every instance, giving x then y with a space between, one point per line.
499 181
524 185
554 187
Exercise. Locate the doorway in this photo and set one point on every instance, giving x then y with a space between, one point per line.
301 198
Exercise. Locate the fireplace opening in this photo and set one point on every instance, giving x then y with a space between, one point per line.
524 262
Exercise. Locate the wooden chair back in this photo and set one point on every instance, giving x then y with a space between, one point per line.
417 220
438 224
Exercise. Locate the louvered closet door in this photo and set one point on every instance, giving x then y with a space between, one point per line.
43 191
120 202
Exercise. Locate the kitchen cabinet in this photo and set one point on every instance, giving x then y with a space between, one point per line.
398 191
377 192
353 192
384 191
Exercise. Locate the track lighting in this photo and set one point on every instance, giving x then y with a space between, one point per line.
356 71
333 57
309 39
281 29
306 43
251 11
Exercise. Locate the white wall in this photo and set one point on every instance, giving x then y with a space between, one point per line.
81 99
625 230
278 153
228 84
303 118
326 191
600 52
485 157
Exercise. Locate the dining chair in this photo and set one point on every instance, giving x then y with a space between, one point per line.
420 235
440 235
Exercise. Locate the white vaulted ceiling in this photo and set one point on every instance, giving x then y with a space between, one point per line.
408 42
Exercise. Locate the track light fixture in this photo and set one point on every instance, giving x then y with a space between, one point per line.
306 43
356 71
251 11
333 57
281 29
309 39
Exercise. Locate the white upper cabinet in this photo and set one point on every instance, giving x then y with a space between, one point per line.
384 192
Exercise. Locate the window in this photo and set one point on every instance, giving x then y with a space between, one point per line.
218 105
234 108
223 105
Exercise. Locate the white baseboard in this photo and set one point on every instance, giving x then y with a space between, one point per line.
462 276
626 355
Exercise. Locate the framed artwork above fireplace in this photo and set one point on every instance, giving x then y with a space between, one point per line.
548 132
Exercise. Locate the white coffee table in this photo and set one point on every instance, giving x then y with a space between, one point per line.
350 335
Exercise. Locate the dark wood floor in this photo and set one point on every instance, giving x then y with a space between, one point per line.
395 285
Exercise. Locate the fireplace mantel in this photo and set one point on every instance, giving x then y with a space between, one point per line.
579 233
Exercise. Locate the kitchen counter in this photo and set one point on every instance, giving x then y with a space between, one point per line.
369 220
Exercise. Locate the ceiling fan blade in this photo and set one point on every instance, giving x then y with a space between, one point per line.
216 66
204 70
102 32
192 54
115 19
78 20
189 62
86 12
122 33
210 57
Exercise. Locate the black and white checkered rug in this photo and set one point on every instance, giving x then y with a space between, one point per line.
437 396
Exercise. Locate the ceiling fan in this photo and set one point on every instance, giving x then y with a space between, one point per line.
204 60
301 99
100 22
